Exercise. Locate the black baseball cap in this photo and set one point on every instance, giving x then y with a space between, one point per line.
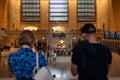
88 28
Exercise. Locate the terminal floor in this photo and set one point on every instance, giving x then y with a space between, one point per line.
61 70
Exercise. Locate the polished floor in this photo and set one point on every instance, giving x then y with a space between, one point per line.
60 69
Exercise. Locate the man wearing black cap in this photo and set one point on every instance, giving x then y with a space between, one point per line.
90 59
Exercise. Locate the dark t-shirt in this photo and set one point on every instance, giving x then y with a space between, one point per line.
97 68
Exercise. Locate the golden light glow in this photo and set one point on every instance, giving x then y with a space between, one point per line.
61 41
63 46
43 38
31 28
58 29
74 38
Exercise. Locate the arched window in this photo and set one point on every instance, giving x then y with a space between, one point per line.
86 10
58 10
30 10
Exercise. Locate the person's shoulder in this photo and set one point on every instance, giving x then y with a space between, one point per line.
105 47
81 43
13 53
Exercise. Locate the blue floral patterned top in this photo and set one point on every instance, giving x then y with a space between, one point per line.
23 61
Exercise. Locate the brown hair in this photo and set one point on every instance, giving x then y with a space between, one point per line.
26 37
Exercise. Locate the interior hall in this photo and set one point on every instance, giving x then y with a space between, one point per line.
57 24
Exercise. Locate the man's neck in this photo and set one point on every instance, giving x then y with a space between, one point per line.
92 39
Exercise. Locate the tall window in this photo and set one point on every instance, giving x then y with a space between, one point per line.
30 10
58 10
86 10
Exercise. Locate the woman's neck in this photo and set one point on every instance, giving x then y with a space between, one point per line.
26 46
